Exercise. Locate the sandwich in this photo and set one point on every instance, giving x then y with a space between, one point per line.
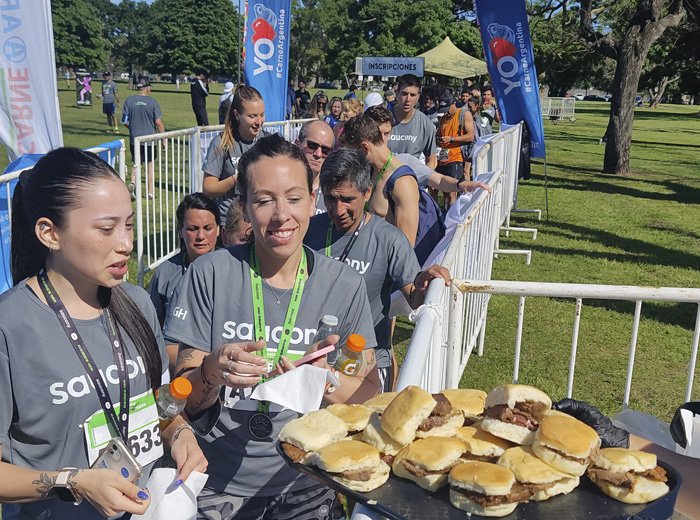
542 480
443 421
428 461
629 476
375 436
353 464
379 402
485 489
481 445
470 402
406 412
356 416
566 444
309 433
513 412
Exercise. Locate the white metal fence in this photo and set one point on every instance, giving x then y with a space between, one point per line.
557 109
171 163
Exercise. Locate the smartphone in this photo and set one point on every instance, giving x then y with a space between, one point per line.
313 356
117 457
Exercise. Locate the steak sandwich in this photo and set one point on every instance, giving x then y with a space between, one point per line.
374 435
353 464
428 461
629 476
566 444
481 445
379 402
514 412
356 416
485 489
309 433
469 401
406 412
542 480
443 421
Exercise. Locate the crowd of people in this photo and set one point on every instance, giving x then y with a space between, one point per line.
283 234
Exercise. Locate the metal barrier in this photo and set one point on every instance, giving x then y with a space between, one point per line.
173 162
557 109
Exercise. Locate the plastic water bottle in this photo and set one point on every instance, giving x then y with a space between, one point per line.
350 357
327 327
171 400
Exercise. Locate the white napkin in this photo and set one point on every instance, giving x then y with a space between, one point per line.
300 389
169 502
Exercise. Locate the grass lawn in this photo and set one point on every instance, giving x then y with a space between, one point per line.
640 229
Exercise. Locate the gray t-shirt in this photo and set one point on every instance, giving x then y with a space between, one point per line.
383 256
415 137
215 307
109 88
165 281
47 395
223 164
422 171
142 112
320 204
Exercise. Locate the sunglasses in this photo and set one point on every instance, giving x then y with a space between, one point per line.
312 146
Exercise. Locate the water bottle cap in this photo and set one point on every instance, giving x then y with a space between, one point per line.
180 388
330 320
356 343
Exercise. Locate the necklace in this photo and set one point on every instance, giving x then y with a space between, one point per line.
379 178
278 298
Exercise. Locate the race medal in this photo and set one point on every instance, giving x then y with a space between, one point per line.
260 426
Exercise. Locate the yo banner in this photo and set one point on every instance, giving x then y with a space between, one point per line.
266 55
505 34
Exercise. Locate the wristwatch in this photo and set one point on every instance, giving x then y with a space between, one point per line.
452 139
63 489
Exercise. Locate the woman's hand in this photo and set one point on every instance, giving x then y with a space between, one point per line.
109 492
444 139
234 365
187 455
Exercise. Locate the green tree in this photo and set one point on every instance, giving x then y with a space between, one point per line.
188 34
129 25
79 39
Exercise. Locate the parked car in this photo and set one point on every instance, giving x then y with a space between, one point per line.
327 84
593 97
224 79
579 96
124 75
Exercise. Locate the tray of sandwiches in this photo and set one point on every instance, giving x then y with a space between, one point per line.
461 452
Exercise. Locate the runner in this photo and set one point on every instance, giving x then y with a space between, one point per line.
230 298
70 325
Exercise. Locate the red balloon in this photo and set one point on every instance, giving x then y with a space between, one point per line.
501 47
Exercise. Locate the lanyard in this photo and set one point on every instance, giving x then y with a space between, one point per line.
290 317
379 178
348 246
121 423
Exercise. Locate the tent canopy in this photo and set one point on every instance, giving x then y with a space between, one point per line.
446 59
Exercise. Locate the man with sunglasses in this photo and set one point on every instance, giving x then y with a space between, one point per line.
316 140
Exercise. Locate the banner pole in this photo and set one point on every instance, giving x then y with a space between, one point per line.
546 192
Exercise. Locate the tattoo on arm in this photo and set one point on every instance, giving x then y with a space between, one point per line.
185 355
44 485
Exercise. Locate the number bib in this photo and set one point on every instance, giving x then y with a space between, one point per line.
144 431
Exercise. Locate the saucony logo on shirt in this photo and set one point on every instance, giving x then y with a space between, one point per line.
80 386
358 265
411 138
244 332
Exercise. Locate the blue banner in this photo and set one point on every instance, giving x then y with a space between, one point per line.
505 34
266 53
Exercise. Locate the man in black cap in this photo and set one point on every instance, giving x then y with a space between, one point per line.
110 100
199 90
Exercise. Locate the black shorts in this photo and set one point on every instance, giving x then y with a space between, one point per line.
108 108
149 148
453 169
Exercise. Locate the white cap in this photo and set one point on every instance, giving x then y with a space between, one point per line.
228 87
330 320
373 99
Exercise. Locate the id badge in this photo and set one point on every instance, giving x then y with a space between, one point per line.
144 431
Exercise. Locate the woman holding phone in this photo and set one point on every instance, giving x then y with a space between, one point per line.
75 343
282 292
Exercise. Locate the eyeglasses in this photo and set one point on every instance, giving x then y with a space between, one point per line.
312 146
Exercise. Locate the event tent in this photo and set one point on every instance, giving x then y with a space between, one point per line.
446 59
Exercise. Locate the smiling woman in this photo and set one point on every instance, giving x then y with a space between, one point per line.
283 289
70 318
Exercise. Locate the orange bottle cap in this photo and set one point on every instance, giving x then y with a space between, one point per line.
180 388
356 343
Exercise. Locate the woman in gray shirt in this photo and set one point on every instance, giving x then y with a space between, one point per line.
242 129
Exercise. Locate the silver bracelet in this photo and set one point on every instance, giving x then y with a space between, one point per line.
179 430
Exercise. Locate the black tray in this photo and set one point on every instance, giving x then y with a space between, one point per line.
401 499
